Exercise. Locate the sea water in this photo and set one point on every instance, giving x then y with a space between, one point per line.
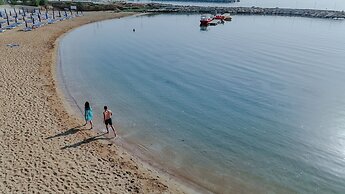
256 105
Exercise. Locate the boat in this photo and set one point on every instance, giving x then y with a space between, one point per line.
203 28
205 20
224 17
219 17
227 17
215 22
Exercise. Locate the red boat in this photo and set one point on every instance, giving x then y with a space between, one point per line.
219 17
205 20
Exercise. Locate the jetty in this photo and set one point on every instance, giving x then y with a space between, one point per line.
207 1
312 13
184 9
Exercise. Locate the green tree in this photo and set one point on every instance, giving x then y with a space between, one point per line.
35 2
2 2
43 2
79 6
14 2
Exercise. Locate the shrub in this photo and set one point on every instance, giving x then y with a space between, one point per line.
43 2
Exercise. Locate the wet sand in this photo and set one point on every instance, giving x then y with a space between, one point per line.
43 147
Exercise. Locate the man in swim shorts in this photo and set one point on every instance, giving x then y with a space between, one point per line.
107 119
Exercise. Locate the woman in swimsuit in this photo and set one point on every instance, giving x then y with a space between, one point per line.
88 114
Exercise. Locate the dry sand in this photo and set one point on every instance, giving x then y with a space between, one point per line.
43 148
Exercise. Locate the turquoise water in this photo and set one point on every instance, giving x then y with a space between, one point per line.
305 4
256 105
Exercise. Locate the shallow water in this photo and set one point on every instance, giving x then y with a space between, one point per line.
254 105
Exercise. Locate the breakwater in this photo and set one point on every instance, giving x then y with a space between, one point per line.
168 8
252 11
208 1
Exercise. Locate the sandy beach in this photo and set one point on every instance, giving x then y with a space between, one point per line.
43 148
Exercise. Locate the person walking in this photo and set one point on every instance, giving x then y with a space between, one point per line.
107 119
88 114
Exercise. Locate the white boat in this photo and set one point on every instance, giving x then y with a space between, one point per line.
227 17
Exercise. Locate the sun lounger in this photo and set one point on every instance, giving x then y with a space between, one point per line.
1 29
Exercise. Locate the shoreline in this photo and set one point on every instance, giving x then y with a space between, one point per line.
73 111
72 108
44 148
71 105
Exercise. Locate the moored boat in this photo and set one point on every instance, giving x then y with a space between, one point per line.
219 17
205 20
227 17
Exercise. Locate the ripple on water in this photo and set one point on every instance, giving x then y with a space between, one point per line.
254 105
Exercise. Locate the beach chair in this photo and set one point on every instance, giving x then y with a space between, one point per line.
36 24
11 26
27 28
1 29
17 22
40 23
60 17
51 21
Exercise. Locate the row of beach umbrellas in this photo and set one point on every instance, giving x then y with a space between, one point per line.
11 19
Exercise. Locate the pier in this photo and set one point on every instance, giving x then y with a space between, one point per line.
169 8
312 13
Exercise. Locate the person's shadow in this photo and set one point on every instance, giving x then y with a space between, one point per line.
88 140
70 131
